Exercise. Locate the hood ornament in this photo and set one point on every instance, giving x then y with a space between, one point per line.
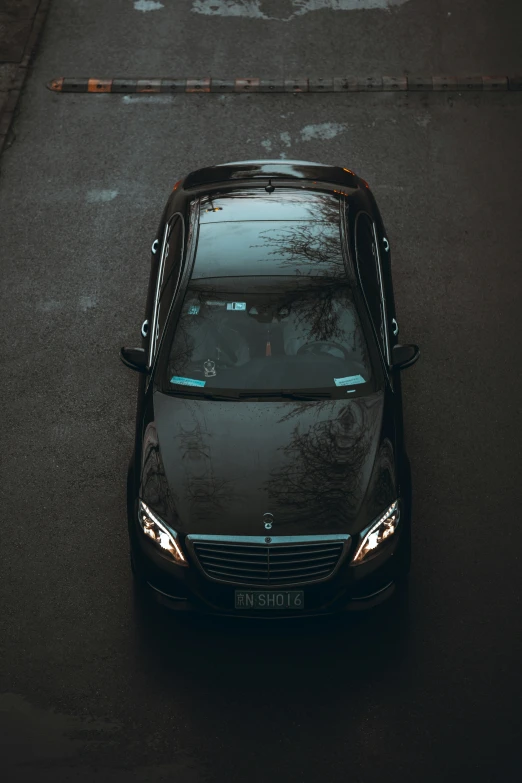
268 520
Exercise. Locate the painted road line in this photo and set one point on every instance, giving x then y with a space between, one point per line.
335 84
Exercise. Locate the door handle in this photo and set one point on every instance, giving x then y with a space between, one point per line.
145 328
154 247
395 327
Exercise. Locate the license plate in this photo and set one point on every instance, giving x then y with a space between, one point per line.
269 599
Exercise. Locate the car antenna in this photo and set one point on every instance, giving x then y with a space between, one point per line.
269 188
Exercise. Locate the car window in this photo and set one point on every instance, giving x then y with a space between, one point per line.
370 276
168 277
171 271
291 338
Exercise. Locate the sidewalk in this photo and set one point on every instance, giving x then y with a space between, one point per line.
21 22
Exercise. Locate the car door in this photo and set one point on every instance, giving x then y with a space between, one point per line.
155 259
383 246
370 274
164 280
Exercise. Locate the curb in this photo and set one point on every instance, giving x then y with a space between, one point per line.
7 116
438 83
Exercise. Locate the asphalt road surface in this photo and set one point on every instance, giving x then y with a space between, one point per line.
90 687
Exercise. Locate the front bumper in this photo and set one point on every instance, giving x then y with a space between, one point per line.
336 607
350 589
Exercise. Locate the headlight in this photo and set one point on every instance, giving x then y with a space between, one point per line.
379 532
155 529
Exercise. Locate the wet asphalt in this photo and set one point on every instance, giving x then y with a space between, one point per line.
94 687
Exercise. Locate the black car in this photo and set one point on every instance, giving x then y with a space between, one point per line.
269 476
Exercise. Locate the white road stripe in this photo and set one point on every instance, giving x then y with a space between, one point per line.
323 131
143 98
252 9
147 5
96 196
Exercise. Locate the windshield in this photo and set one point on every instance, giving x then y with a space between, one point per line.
292 339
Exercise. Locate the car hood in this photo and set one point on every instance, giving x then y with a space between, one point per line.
213 467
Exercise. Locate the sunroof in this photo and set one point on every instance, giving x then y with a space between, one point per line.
269 248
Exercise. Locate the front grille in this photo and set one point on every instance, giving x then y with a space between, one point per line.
288 563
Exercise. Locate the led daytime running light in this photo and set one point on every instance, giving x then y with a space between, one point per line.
383 529
155 529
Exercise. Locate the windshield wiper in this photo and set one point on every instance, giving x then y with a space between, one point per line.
250 395
206 395
286 395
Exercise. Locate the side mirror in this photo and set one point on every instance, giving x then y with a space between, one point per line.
135 359
404 356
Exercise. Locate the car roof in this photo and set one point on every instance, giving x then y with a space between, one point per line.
272 217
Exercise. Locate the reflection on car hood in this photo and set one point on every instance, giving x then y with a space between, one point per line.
217 467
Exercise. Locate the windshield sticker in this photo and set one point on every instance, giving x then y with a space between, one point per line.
253 311
350 380
213 303
236 305
186 381
210 368
193 310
